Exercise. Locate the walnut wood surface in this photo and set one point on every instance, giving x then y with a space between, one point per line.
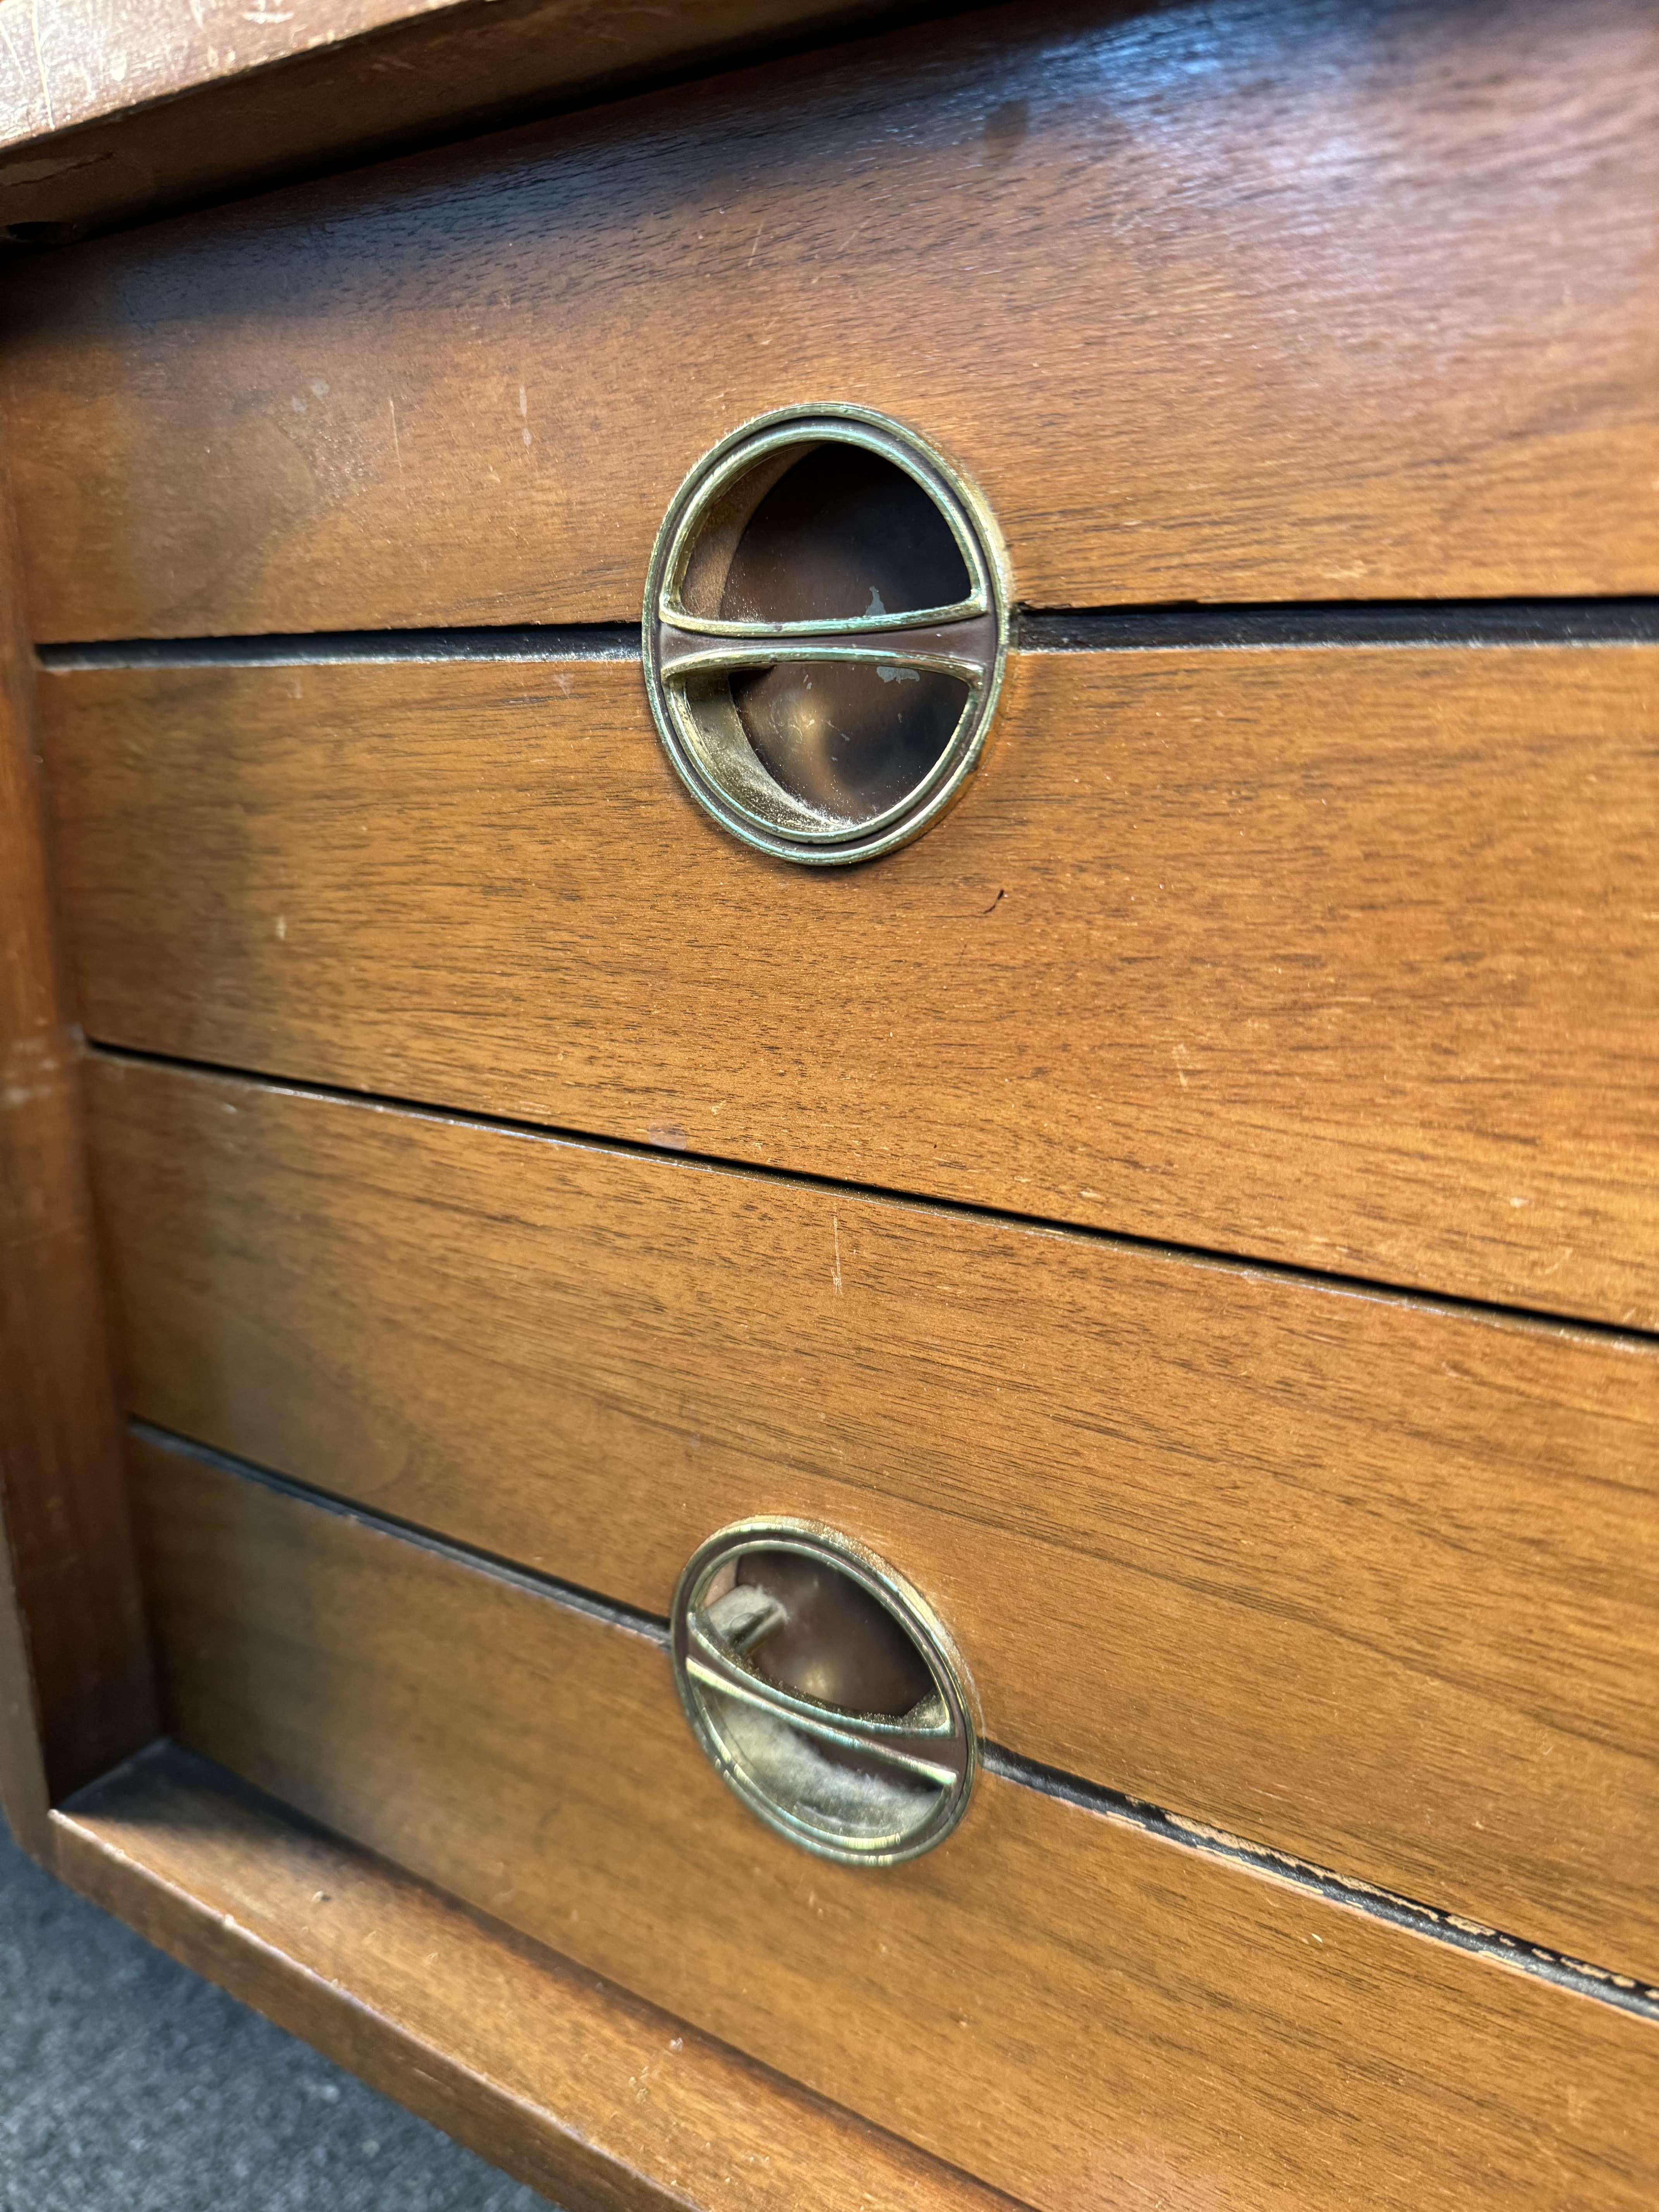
88 60
25 1798
1343 957
1369 1582
74 1692
602 2102
1244 302
1073 2008
113 110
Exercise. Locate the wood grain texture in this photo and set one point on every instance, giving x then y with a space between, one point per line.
1343 957
116 109
1066 2005
90 60
25 1796
1375 1584
598 2100
75 1689
1241 301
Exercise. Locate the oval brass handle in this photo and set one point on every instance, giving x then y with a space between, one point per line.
770 1611
825 629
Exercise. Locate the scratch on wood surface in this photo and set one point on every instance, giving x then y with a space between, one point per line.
5 34
39 63
30 1071
834 1223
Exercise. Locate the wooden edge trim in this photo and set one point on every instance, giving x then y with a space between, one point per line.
183 127
601 2101
25 1802
76 1691
24 1798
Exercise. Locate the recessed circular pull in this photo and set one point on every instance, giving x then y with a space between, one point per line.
825 1690
826 620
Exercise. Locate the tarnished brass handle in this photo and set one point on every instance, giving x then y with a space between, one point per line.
825 628
766 1608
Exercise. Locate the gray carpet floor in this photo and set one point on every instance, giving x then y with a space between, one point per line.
127 2085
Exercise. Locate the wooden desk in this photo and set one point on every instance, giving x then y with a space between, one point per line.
1192 1211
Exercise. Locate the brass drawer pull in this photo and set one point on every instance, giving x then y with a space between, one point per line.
826 619
825 1690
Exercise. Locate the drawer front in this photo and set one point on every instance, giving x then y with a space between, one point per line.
1345 958
1370 1582
1242 302
1077 2010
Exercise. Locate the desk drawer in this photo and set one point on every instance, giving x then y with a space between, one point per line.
1342 958
1366 1581
1072 2008
1238 302
1189 1213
